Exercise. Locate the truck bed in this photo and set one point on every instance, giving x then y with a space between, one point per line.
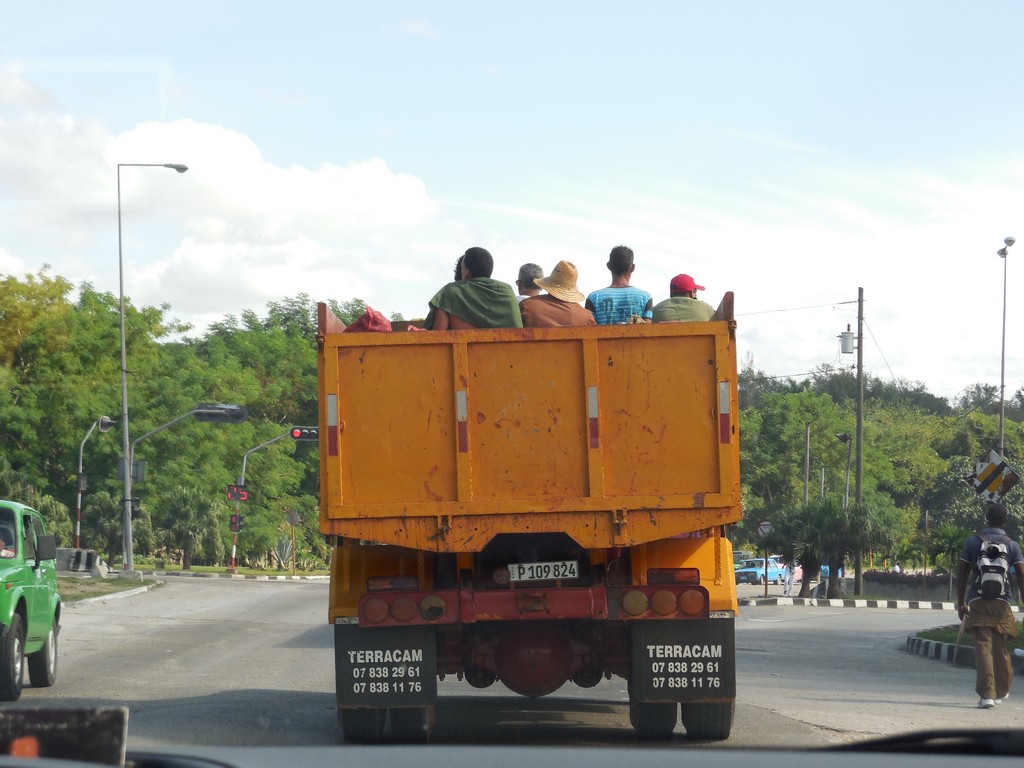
440 440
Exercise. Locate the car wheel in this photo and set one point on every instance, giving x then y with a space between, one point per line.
12 664
762 579
42 665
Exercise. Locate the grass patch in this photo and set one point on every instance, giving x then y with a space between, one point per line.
948 635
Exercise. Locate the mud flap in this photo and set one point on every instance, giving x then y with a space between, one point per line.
684 661
385 667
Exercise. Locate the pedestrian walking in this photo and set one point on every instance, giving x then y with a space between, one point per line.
983 603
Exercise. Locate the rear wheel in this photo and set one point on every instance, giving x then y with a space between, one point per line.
42 665
12 660
653 720
708 721
412 725
363 726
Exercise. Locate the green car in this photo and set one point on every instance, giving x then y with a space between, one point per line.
30 604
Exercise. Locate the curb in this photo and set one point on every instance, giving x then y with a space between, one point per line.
849 603
235 576
111 596
933 649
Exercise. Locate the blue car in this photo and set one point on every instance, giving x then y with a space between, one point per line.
752 571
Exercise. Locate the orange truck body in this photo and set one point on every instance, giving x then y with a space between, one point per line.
496 497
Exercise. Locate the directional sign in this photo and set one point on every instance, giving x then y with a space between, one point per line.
992 477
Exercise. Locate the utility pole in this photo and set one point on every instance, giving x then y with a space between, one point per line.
858 570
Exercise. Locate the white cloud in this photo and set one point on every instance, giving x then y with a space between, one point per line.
16 91
419 28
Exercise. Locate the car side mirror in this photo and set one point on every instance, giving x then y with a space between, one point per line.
46 547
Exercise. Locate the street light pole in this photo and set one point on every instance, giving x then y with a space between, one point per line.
104 423
1002 253
126 520
241 481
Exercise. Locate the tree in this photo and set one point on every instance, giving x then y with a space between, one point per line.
102 525
947 541
189 524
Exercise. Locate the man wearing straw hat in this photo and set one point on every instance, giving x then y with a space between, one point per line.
561 305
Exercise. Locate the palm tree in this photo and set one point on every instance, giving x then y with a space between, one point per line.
102 527
190 523
948 541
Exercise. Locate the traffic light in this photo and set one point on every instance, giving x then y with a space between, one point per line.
305 433
220 413
237 522
238 493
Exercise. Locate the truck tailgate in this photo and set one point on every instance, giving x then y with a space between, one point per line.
617 435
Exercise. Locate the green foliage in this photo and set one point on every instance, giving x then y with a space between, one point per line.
60 371
917 451
188 522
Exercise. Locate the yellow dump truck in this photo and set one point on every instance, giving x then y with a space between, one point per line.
532 507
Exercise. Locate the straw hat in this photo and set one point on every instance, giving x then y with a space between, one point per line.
561 283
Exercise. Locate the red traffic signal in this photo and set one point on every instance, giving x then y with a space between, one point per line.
238 493
305 433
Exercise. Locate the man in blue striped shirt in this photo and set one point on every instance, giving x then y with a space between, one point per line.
620 302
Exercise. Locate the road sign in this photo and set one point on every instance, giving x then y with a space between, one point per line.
764 528
293 517
992 478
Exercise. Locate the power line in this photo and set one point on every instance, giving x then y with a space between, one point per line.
795 309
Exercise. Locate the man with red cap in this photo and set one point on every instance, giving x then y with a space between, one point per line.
683 304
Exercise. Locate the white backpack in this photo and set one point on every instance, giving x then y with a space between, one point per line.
992 568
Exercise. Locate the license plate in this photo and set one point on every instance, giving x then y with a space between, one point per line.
564 569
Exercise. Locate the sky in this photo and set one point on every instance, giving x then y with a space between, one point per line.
790 152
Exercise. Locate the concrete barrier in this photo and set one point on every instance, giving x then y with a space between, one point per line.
72 560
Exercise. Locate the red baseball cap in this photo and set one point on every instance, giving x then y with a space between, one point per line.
681 283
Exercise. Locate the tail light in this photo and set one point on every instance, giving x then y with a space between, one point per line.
673 576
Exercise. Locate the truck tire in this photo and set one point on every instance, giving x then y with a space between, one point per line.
710 722
412 725
42 665
653 721
362 726
12 661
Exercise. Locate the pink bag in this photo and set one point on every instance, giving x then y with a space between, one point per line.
370 321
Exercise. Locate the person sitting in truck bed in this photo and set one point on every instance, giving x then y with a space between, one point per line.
620 302
682 305
475 301
561 305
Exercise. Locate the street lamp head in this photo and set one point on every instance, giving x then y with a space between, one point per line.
1008 241
176 166
105 423
1001 253
844 437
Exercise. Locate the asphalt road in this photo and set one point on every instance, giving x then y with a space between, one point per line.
222 662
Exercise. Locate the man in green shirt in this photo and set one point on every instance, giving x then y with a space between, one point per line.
683 305
475 301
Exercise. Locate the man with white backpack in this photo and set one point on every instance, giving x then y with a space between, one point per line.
984 600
